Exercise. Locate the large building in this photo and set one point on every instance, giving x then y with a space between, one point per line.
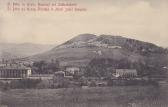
126 73
14 72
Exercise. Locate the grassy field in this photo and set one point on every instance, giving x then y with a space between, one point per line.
123 96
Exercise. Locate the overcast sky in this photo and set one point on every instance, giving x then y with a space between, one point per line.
145 20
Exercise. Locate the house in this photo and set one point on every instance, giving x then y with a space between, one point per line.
14 72
126 73
72 70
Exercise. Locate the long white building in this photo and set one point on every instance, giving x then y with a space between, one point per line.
10 72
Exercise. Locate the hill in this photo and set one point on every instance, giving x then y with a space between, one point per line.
80 50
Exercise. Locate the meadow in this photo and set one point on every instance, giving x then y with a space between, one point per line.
118 96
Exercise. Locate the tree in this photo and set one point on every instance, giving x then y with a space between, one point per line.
43 67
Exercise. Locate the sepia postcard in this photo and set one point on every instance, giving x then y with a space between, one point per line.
83 53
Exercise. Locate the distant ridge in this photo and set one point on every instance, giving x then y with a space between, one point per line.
13 50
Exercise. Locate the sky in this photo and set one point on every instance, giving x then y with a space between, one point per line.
144 20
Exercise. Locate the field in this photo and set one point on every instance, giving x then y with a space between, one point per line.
121 96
